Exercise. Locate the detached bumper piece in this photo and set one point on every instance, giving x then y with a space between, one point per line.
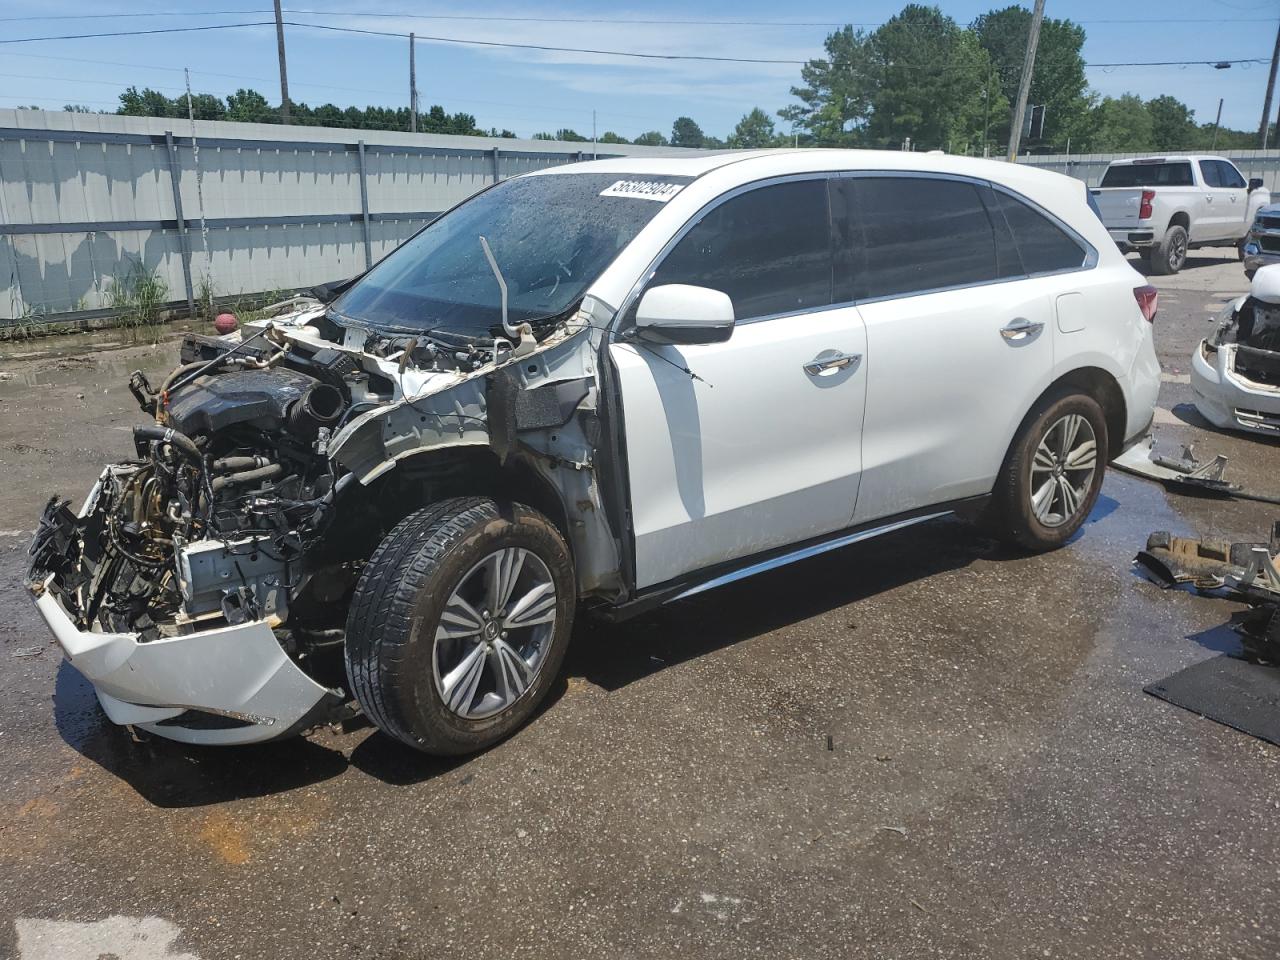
1244 571
232 684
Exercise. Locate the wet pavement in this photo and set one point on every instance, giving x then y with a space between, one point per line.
920 746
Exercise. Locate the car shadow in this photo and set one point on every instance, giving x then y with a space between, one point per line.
614 655
1194 261
171 774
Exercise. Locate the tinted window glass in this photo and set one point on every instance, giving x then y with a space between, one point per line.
1209 170
1174 174
1043 245
769 249
918 233
1229 175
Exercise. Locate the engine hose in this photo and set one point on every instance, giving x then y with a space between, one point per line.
269 472
235 464
179 441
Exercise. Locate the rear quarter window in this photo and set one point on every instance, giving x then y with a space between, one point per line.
1043 245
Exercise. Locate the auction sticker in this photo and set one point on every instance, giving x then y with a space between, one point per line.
643 190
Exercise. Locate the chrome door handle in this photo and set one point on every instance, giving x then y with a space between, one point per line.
829 361
1020 328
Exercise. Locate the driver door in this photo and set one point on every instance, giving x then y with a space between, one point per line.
763 449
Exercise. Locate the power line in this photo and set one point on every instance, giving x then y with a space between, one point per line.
625 21
558 49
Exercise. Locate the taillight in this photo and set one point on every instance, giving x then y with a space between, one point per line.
1148 300
1144 208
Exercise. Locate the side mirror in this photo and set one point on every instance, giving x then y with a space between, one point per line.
680 313
1255 183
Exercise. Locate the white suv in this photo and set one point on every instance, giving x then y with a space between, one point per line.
615 383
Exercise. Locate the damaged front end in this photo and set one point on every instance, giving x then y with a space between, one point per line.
1235 371
203 585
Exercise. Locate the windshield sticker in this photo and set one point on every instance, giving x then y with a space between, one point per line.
643 189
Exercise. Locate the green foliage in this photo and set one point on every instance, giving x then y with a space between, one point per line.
610 137
1121 124
651 139
1058 81
1173 124
573 136
754 130
686 133
138 298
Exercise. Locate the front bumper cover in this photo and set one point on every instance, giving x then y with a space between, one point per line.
1229 401
232 684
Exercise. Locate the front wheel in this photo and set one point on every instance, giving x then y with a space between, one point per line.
1052 473
460 623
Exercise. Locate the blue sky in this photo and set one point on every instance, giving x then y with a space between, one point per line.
528 91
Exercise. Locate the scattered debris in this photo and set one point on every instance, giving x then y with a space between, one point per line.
29 651
916 904
1185 472
1243 571
830 743
899 830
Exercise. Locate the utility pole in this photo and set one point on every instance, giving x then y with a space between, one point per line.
413 90
1024 88
1264 127
1217 122
593 135
284 73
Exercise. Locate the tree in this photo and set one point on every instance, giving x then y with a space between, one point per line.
75 108
1173 124
651 139
836 97
932 78
144 103
543 136
686 133
565 133
249 106
610 137
753 131
1121 125
1058 80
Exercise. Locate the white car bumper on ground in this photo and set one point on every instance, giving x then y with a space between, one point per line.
232 684
1228 400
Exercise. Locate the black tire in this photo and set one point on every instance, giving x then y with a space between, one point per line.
1011 516
1240 248
1169 254
390 645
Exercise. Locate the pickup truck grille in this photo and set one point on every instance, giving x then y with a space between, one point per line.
1270 244
1269 223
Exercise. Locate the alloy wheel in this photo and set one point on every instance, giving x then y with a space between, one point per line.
1062 470
494 633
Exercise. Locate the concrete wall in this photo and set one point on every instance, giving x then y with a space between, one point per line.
85 197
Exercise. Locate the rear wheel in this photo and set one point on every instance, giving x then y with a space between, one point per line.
1170 254
1052 474
460 623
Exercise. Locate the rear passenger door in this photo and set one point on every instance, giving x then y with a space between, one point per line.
959 337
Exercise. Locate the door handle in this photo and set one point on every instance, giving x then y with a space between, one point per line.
1020 328
829 361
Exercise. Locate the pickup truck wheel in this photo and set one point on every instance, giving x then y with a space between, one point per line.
1170 254
1052 473
460 623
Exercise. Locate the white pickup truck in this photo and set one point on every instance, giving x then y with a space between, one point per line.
1164 206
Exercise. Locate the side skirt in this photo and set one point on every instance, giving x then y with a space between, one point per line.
725 573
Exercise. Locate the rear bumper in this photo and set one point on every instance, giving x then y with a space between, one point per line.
228 685
1132 237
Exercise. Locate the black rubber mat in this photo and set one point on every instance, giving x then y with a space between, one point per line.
1234 692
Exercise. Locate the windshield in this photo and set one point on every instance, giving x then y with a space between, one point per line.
551 235
1148 175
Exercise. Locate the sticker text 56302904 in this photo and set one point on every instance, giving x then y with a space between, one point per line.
643 190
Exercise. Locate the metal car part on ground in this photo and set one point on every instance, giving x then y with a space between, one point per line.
1244 571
